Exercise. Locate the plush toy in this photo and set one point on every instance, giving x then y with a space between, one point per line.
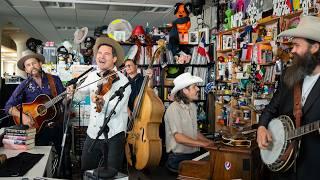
183 58
179 32
227 20
183 22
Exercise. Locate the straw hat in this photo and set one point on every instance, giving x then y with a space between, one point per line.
27 54
119 50
184 80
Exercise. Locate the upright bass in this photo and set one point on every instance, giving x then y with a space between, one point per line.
143 144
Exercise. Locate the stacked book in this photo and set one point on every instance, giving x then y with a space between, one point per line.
19 139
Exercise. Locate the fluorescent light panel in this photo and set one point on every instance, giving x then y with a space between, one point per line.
106 3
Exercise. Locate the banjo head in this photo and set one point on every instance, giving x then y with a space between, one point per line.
277 130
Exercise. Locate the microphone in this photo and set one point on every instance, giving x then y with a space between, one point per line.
75 80
120 91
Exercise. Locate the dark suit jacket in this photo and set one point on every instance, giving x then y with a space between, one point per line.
308 162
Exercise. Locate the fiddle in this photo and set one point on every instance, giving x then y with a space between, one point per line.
104 87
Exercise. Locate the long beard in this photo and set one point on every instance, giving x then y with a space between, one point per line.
300 68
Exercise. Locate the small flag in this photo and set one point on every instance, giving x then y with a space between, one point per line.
202 49
260 73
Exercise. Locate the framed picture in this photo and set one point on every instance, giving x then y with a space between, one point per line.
119 36
204 32
193 37
227 42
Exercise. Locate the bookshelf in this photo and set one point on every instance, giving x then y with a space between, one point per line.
163 81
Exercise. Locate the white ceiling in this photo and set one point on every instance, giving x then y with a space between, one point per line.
42 22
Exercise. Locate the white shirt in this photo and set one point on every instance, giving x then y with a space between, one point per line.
118 121
308 83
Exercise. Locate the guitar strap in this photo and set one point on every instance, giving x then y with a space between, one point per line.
52 85
297 108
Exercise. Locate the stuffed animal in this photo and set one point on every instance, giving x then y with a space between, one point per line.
180 26
183 58
183 22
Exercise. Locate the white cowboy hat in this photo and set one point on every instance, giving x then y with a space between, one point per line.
113 43
308 28
27 54
80 35
184 80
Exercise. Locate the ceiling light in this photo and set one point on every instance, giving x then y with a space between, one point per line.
106 3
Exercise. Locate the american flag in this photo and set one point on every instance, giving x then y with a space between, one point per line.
203 51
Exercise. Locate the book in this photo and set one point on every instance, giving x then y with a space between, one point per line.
20 134
17 141
18 146
19 137
12 130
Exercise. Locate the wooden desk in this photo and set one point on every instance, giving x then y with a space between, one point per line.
228 162
42 168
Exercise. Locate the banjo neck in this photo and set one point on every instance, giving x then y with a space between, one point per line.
303 130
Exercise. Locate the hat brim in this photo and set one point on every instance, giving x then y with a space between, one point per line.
78 39
21 61
306 33
119 50
194 80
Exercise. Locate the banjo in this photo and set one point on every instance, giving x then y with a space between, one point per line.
283 151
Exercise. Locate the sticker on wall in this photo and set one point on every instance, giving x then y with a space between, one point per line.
305 5
227 165
254 11
281 7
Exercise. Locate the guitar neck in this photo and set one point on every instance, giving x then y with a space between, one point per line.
303 130
55 100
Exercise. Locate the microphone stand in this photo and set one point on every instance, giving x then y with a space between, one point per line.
21 126
105 171
66 117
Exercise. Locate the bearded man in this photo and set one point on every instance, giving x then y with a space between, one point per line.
303 73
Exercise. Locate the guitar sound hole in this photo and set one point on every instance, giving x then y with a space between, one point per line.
42 110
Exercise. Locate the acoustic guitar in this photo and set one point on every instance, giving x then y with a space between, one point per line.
42 110
283 151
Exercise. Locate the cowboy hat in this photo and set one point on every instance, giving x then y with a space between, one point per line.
27 54
184 80
114 44
308 28
80 35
